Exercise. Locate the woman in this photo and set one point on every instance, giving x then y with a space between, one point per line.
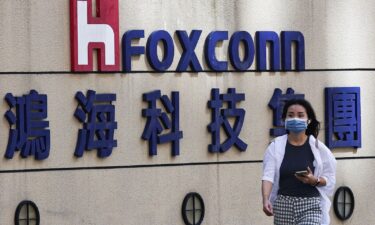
299 171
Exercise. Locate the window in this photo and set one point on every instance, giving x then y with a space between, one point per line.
27 213
343 203
193 209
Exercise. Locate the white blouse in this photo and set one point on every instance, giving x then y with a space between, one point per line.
324 163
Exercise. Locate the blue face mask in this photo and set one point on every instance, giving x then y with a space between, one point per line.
295 125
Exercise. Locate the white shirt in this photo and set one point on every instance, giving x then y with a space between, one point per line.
324 163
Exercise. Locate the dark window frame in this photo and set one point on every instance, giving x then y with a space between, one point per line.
193 196
342 205
27 204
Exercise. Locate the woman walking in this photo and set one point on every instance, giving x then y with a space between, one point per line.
299 171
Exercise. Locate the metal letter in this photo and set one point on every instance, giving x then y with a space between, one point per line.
262 37
152 47
234 44
209 49
128 51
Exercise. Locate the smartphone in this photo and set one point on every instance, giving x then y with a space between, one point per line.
302 173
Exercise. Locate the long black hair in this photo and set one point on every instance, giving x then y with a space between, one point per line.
314 126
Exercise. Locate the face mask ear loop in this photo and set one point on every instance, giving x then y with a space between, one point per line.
285 121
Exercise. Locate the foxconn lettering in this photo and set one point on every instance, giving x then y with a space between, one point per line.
101 32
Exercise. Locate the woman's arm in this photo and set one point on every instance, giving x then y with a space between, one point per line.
266 191
329 172
269 165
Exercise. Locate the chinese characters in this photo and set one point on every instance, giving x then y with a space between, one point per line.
97 114
343 117
220 117
29 125
30 134
158 121
277 103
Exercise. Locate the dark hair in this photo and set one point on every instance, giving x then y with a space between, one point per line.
314 125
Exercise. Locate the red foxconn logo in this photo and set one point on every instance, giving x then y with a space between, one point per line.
90 32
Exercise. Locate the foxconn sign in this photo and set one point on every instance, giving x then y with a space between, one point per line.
101 33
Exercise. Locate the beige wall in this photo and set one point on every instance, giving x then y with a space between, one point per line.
34 37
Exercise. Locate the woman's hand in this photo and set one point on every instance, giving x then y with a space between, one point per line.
266 190
308 178
267 207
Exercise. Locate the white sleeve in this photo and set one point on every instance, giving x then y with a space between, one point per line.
329 171
269 163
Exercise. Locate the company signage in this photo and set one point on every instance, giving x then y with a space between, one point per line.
102 33
29 131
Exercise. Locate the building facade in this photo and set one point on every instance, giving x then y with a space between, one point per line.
90 145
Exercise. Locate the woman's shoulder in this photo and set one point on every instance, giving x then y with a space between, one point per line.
321 147
277 139
280 138
276 142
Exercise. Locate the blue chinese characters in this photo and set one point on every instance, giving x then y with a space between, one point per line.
97 113
343 117
220 117
277 103
30 134
158 121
